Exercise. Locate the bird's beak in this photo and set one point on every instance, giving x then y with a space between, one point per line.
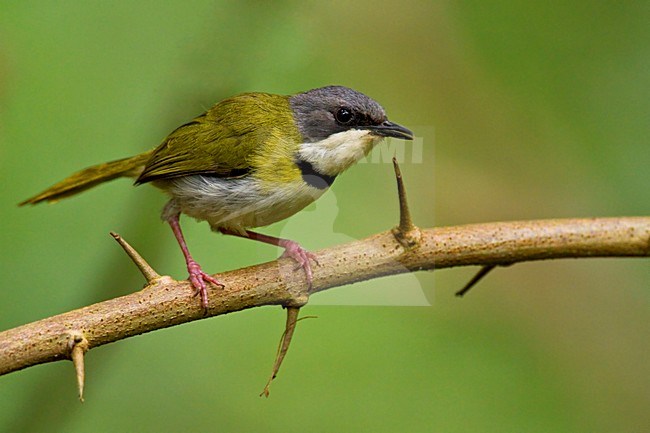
390 129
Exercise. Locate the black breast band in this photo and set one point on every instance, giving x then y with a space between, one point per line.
312 176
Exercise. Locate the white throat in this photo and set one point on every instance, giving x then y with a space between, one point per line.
339 151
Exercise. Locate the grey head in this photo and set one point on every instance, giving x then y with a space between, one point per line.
322 112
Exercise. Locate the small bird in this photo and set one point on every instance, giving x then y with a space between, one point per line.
249 161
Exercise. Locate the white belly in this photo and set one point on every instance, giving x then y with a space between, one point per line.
236 204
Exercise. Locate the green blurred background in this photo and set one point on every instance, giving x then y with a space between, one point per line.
525 110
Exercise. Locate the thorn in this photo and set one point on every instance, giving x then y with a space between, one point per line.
292 319
479 275
405 222
149 274
78 346
406 232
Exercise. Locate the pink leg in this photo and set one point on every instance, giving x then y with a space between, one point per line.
291 249
198 278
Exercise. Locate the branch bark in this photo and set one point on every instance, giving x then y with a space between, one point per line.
166 302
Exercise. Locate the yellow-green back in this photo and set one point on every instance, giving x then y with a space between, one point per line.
252 131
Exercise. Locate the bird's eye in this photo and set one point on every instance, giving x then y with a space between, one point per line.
344 115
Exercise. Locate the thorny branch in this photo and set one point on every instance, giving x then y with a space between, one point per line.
165 302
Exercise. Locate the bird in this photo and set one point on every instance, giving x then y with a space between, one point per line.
247 162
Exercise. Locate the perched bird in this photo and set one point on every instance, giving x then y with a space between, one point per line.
249 161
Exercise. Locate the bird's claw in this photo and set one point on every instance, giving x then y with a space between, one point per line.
302 258
198 278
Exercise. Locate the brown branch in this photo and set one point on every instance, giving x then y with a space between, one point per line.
166 302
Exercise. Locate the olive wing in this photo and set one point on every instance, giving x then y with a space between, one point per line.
207 146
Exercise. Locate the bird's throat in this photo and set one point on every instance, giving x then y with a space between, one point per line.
335 154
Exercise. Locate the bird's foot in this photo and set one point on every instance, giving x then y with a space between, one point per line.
198 278
301 256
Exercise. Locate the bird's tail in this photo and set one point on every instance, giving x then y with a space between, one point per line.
91 176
